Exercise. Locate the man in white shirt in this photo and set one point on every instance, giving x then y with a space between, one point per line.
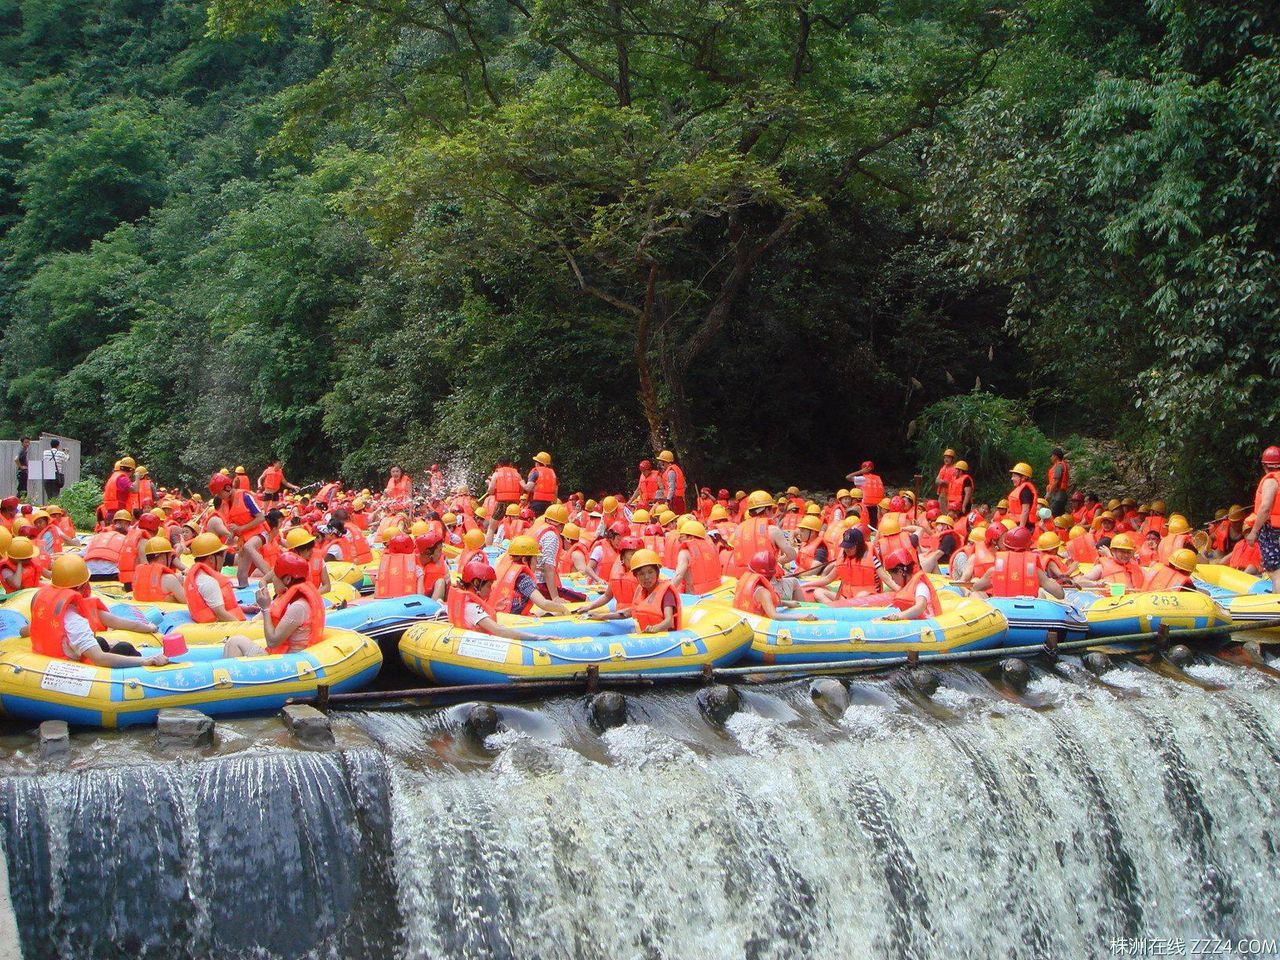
55 469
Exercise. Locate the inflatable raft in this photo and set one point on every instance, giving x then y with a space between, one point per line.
445 654
1246 598
35 687
1146 612
848 633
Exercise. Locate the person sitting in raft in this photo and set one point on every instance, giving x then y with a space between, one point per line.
915 597
812 556
1118 566
302 541
655 604
856 570
209 595
943 539
697 561
157 580
1174 574
471 604
575 557
604 552
621 585
433 575
20 568
757 592
398 572
292 621
103 551
1017 571
65 616
517 591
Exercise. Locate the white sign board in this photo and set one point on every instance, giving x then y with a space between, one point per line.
493 649
73 679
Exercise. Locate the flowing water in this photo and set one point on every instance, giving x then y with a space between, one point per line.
977 821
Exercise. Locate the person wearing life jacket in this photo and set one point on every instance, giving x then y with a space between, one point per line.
671 488
132 552
1228 533
757 591
292 622
49 539
959 493
1177 537
272 482
868 481
576 555
237 518
1116 566
399 486
1057 481
939 543
812 554
65 618
8 512
1265 530
158 580
913 592
621 584
397 569
1017 571
1246 555
697 565
856 570
946 473
1081 547
790 515
517 591
547 534
1050 551
963 565
1172 574
471 603
240 479
432 573
756 533
103 551
1148 551
145 488
504 489
210 596
20 568
890 538
541 484
1023 497
303 542
118 489
604 552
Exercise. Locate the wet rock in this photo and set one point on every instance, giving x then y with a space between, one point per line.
1015 673
1179 655
1253 650
922 680
482 720
718 703
608 709
179 727
1097 663
309 726
55 741
831 696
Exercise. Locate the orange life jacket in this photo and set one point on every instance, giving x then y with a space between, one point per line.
457 605
753 536
872 489
146 493
129 553
239 482
397 575
315 566
648 487
545 487
1129 574
1165 577
807 553
1015 501
107 546
704 565
1274 517
955 491
30 571
983 559
236 512
507 485
623 583
201 612
272 479
148 581
608 557
49 610
505 594
1245 555
1169 543
399 489
315 613
679 482
1154 522
1066 476
432 573
744 598
857 576
111 495
1082 549
886 545
1015 574
566 557
905 598
647 609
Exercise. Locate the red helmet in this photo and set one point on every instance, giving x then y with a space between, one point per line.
149 522
427 541
867 465
29 531
478 570
1019 538
400 543
646 465
932 514
899 558
933 505
653 530
218 482
994 532
722 494
290 565
526 514
630 543
619 527
897 505
763 563
1271 456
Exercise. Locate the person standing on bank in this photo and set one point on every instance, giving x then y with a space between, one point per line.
20 461
55 466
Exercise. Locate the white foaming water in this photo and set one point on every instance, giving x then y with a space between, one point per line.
869 720
1227 675
640 746
954 699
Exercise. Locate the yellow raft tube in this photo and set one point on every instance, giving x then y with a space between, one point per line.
1247 599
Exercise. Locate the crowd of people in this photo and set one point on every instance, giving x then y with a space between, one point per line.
512 548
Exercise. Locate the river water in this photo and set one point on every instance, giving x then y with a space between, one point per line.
977 821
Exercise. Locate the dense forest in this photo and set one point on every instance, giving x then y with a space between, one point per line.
777 236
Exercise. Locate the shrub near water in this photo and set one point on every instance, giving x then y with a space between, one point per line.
81 501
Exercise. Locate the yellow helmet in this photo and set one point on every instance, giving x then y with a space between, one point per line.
978 535
759 499
890 524
240 468
158 545
1178 524
21 548
482 513
556 513
473 539
513 510
609 504
141 471
225 472
1113 504
812 510
810 523
640 516
948 452
961 465
1008 523
122 516
543 458
666 457
855 493
1022 469
299 537
1121 541
206 545
644 558
590 505
39 515
1063 522
1157 506
666 517
523 546
418 528
718 512
692 528
1048 541
127 463
571 531
944 520
449 519
1144 508
6 537
841 493
69 571
1076 531
1184 560
1002 504
358 504
57 511
793 491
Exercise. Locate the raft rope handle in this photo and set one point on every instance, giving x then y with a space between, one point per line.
134 683
898 639
452 631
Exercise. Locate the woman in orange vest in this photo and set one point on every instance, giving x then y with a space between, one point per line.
872 487
1118 566
646 486
915 598
1023 497
1173 574
621 584
399 486
433 575
65 618
697 566
1149 552
20 569
1017 571
758 532
157 580
654 603
302 541
471 604
209 595
855 571
541 485
812 554
240 481
131 554
237 518
604 552
517 591
397 570
505 487
292 621
1179 536
757 594
672 486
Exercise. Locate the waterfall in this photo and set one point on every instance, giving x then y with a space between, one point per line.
1043 824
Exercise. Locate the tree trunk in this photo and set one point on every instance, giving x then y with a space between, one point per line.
648 393
679 416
